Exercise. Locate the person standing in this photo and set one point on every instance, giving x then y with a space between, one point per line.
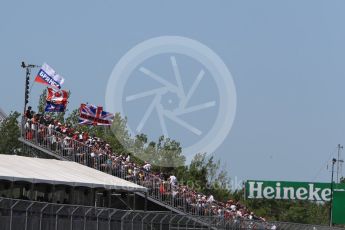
29 113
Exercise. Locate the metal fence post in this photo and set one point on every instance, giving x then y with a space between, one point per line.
41 214
171 220
98 214
57 216
145 208
122 218
194 224
26 215
11 217
110 215
153 220
142 221
161 222
85 216
178 223
189 219
133 220
74 210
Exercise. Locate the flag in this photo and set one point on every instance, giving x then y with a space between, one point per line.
57 96
51 107
94 115
48 76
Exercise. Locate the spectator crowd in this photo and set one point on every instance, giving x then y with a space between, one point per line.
94 152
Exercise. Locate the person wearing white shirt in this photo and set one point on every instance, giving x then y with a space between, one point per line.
173 180
50 128
210 199
147 167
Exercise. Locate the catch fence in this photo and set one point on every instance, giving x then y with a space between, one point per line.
33 215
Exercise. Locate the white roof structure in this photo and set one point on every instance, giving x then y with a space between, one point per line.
37 170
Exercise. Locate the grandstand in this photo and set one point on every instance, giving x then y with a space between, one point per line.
159 195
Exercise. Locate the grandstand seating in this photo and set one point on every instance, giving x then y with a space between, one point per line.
179 199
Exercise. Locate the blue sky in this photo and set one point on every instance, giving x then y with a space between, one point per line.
286 58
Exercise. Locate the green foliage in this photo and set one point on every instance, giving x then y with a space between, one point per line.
42 102
305 212
10 132
167 154
119 137
72 118
342 180
164 155
205 175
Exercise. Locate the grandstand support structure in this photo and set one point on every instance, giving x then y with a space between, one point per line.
150 197
145 196
42 150
69 154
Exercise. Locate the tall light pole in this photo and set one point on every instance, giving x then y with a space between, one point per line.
338 162
331 202
27 81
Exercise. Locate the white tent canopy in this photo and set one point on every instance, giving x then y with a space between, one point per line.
37 170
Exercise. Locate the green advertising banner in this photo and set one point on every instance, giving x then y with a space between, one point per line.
338 210
285 190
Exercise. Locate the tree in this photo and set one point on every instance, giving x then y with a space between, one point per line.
119 137
205 175
72 119
168 155
10 132
342 180
304 212
42 102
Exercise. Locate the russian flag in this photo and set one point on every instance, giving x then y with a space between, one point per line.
48 76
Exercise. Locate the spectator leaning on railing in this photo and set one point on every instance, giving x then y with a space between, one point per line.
95 152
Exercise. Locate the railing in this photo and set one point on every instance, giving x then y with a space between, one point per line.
178 197
33 215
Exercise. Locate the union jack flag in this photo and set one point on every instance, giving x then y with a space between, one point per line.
94 115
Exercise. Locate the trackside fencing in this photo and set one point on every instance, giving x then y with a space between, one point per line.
32 215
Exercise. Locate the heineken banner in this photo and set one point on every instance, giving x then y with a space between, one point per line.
284 190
